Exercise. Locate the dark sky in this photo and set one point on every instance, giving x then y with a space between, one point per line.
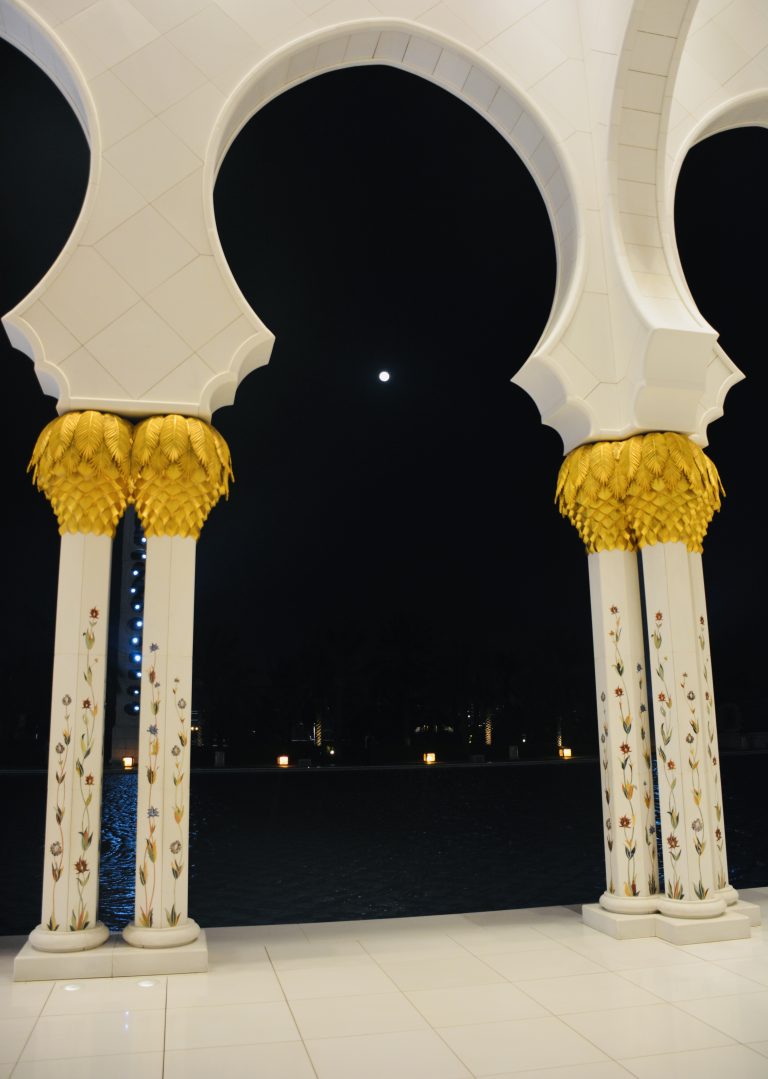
374 221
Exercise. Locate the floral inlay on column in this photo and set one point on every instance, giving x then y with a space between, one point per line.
649 827
674 888
628 819
79 918
605 742
709 708
58 846
697 824
148 867
179 753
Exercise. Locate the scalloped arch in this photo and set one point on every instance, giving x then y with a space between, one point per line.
453 67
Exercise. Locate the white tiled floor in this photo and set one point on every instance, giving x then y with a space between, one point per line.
524 993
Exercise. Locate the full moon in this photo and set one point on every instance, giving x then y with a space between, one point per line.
383 376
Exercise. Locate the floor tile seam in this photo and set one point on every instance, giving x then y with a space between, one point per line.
667 1004
609 1056
32 1030
398 988
678 1005
489 1075
681 1052
483 930
324 996
747 977
624 974
709 996
165 1026
301 1038
425 955
34 1014
582 955
454 1052
592 974
223 1003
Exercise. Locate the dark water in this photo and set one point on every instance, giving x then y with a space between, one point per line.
315 846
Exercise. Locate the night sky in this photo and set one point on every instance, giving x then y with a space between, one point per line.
402 534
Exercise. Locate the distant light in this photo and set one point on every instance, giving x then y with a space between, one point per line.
132 591
383 376
139 623
137 606
134 640
143 540
135 572
429 758
332 752
282 762
127 762
566 753
144 556
137 657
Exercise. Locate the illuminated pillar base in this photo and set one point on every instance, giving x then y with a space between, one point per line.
112 959
734 924
621 904
680 908
43 940
171 937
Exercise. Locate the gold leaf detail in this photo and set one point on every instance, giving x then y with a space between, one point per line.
654 488
180 468
81 463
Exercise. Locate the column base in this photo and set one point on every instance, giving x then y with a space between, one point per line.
682 908
139 936
624 904
731 925
113 959
43 940
728 893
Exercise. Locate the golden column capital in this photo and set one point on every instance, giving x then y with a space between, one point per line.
180 468
81 463
653 488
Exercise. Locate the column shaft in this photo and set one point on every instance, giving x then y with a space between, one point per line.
681 737
162 839
629 831
712 761
75 763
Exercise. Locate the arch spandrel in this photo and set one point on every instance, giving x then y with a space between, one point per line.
689 68
547 79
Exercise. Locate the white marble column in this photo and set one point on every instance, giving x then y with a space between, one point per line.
629 829
75 761
162 836
712 762
180 468
682 748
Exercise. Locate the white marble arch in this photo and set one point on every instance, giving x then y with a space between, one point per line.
245 342
140 313
458 70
